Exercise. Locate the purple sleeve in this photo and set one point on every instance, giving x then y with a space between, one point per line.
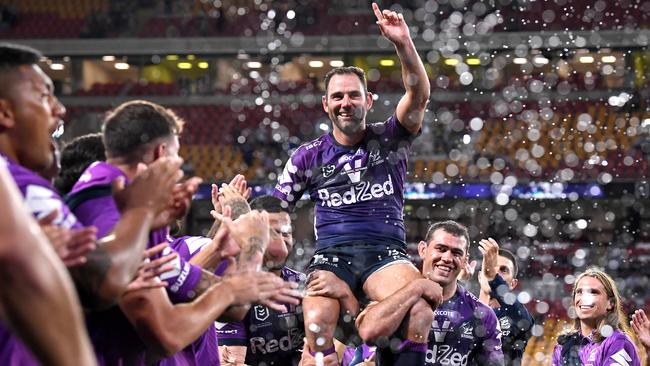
292 183
43 200
102 212
231 334
557 352
182 279
492 350
620 351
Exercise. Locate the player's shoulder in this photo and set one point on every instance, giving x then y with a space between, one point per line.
617 337
98 173
479 309
313 147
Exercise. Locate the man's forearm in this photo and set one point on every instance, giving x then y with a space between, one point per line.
384 318
414 75
167 328
111 267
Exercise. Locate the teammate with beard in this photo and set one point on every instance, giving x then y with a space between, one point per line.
355 175
464 331
266 336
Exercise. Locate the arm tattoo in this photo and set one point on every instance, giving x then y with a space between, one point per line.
253 251
206 281
239 207
89 278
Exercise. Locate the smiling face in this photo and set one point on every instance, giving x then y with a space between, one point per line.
31 113
347 104
443 257
591 301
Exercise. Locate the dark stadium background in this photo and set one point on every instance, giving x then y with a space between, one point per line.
536 133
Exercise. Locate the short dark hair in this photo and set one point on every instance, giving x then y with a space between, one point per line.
452 227
511 257
267 203
76 156
346 70
132 126
13 55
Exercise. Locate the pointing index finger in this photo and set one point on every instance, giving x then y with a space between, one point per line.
378 14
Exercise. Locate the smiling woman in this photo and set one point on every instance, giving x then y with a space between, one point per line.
600 334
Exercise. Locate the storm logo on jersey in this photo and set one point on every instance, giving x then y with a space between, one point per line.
363 191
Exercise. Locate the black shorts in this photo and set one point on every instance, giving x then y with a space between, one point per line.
354 263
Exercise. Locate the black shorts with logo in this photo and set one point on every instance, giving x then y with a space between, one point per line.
354 263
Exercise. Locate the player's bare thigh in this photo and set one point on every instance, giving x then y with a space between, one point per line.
389 279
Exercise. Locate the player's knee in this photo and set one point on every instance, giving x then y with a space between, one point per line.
319 315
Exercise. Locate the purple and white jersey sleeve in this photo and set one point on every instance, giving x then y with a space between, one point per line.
91 199
41 198
617 349
358 190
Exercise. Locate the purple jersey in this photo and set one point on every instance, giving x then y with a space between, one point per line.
113 337
271 338
464 332
617 349
358 190
41 199
92 201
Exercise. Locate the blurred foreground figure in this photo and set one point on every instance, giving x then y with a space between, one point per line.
356 177
600 335
37 297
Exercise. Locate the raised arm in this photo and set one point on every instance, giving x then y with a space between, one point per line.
410 109
35 285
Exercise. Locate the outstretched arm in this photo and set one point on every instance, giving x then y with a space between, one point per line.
167 328
35 285
410 109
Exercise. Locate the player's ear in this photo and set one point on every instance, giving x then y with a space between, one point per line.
514 283
369 99
324 101
6 114
422 249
